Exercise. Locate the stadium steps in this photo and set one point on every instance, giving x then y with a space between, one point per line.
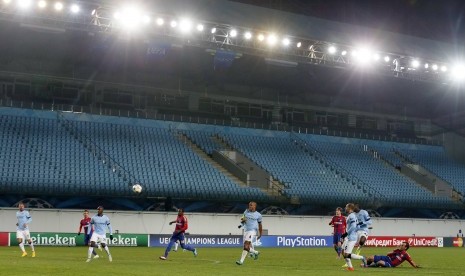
276 186
197 150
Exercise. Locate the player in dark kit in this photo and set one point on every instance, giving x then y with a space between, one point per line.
178 235
338 222
393 258
85 223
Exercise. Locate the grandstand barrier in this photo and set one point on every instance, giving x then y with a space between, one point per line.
229 165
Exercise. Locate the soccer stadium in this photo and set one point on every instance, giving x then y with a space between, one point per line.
319 118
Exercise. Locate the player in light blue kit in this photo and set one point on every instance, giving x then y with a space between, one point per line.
252 223
351 234
22 230
100 222
364 222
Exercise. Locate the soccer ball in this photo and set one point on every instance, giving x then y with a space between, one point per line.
137 188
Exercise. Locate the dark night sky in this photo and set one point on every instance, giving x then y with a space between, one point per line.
441 20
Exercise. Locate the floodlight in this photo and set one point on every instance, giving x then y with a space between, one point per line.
299 44
261 37
233 33
160 21
344 53
58 6
426 65
173 23
185 25
387 58
458 72
74 8
415 63
6 2
272 39
376 57
24 4
146 19
117 15
42 4
332 49
199 27
362 55
286 42
213 30
435 67
443 68
247 35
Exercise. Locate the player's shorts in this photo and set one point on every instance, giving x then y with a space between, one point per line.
337 238
250 235
385 259
348 246
87 238
23 234
177 237
360 234
98 238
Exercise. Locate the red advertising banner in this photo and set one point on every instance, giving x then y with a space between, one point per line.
457 242
387 241
4 237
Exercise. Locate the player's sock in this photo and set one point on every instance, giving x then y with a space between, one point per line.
187 247
339 250
31 244
107 250
253 251
348 262
168 248
244 254
21 245
356 257
89 252
93 252
176 246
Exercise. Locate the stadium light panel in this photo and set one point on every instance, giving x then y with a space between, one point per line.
248 35
458 72
24 4
185 25
387 59
271 39
42 4
444 68
233 33
160 21
343 53
426 65
332 49
75 8
299 44
200 27
415 63
363 56
286 42
173 24
58 6
435 67
213 30
261 37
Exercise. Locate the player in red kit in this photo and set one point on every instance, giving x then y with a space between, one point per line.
85 223
178 235
393 259
338 222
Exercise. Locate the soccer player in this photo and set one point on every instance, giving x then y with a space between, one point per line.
100 222
22 230
85 223
178 235
351 234
364 222
338 222
393 259
252 223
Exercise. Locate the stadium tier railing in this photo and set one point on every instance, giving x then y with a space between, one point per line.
154 115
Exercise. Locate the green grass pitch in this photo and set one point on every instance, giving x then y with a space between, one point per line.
216 261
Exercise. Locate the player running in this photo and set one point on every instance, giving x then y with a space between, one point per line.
351 235
393 259
22 230
100 222
338 222
178 235
85 223
252 223
364 222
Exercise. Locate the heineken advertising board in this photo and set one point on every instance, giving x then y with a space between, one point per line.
68 239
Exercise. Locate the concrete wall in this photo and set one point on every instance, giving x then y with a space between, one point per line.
56 220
